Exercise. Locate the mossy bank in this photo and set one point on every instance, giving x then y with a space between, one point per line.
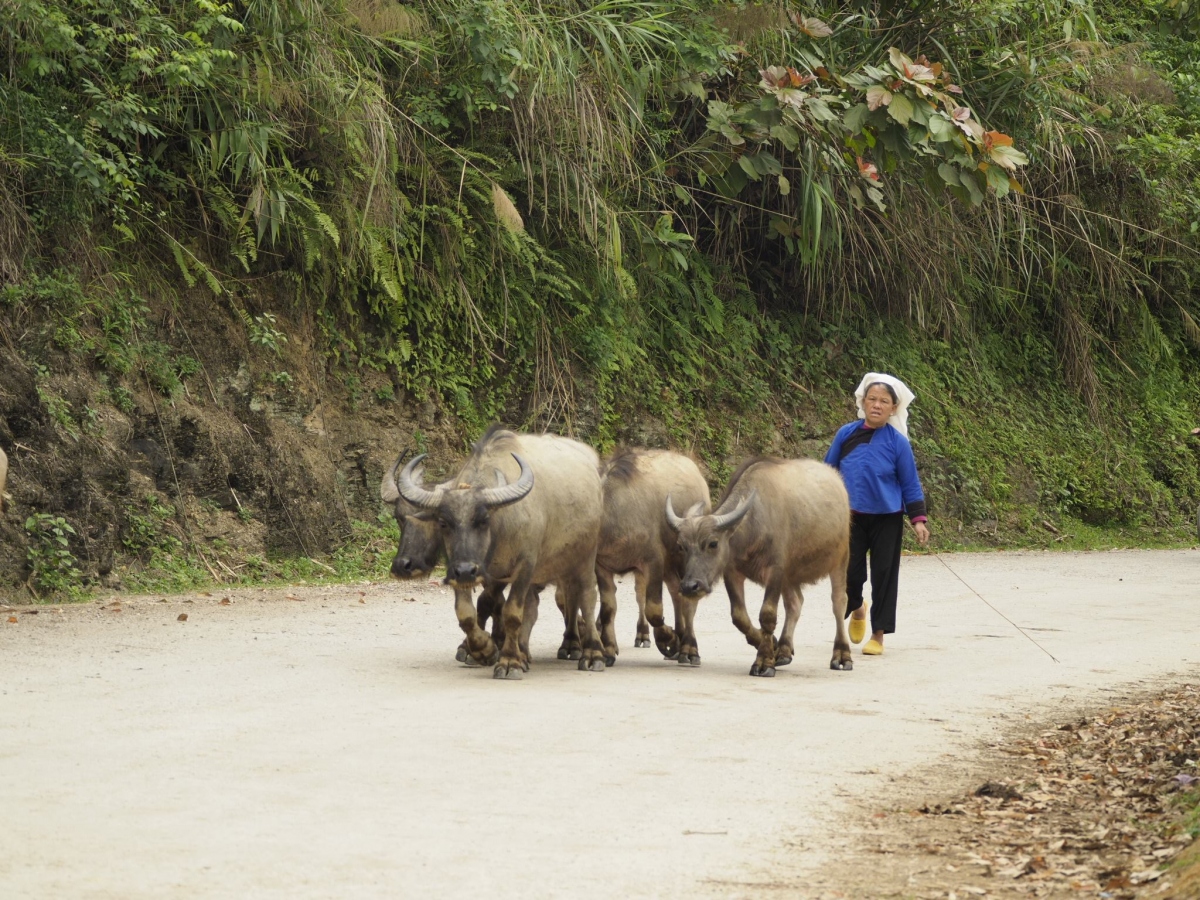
250 251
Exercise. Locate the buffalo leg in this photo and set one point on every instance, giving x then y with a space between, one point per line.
580 596
607 622
764 664
510 665
570 647
479 643
487 606
841 660
793 603
527 622
685 621
643 624
666 639
735 586
689 653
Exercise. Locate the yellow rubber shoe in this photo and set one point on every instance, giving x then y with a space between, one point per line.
873 648
858 630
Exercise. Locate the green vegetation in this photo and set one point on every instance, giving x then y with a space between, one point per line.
49 555
694 222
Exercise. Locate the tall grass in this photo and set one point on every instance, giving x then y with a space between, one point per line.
480 195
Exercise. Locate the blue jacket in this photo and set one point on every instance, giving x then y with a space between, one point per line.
881 475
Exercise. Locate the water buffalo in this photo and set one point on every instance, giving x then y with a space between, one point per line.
420 550
634 537
524 511
782 523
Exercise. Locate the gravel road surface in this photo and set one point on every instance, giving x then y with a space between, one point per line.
321 742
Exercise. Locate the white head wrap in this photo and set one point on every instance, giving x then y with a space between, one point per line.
904 396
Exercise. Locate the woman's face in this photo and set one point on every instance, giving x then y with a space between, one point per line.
878 405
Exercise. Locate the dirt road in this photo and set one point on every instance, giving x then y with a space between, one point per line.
326 747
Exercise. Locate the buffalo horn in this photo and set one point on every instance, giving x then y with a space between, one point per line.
387 490
509 493
673 520
413 492
729 519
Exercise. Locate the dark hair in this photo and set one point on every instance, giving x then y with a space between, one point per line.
883 384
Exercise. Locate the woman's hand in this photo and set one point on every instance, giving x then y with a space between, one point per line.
922 531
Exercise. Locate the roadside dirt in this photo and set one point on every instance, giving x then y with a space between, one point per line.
1105 804
322 742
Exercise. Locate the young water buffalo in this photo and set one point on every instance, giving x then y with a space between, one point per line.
541 528
635 538
782 523
421 549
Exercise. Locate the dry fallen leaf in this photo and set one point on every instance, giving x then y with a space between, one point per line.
182 617
12 620
1092 805
225 601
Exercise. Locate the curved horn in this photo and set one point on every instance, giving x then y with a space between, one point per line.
387 490
729 519
509 493
673 520
413 492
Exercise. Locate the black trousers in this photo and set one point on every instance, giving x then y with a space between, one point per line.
879 536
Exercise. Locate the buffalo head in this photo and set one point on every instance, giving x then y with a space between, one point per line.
420 540
462 513
704 544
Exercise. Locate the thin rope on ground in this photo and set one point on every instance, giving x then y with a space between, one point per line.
996 611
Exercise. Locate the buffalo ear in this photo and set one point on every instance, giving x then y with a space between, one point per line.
695 509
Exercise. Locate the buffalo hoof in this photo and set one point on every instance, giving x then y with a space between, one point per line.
508 672
609 660
471 662
566 652
841 665
689 659
762 671
783 660
462 654
642 643
595 665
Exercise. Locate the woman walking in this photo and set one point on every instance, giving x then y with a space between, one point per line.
877 465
